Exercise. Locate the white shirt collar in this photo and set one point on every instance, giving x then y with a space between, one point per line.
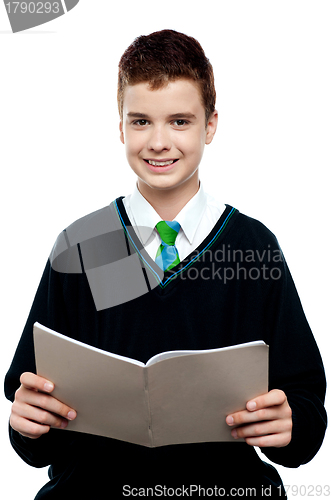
143 214
189 217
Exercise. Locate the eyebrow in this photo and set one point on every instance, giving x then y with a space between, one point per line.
175 116
136 115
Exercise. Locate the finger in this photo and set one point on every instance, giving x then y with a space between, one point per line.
258 408
262 429
33 381
28 428
46 402
276 440
246 417
274 397
271 440
37 415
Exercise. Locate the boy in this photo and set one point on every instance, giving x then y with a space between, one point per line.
118 281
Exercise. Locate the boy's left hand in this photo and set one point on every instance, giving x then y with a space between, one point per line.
267 421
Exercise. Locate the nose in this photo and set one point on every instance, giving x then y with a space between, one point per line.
159 139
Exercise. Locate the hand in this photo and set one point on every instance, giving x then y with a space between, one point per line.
35 411
267 421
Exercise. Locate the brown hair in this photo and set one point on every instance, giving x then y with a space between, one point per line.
165 56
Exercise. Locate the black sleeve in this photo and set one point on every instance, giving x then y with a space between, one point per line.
48 309
296 367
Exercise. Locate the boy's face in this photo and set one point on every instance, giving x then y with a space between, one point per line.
164 132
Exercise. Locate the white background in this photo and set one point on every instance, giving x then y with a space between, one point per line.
61 156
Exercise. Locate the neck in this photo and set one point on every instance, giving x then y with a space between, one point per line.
168 202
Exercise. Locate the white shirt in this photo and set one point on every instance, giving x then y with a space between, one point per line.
197 219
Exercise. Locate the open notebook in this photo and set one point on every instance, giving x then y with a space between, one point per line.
176 397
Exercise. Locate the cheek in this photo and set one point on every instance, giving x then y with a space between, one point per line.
192 147
133 144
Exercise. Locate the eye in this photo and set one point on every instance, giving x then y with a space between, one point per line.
141 122
180 123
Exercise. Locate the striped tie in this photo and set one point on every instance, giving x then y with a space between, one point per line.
167 254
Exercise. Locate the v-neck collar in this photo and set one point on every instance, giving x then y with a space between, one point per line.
164 278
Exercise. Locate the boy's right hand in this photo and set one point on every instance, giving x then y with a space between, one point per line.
35 411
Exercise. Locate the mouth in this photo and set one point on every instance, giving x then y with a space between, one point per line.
161 163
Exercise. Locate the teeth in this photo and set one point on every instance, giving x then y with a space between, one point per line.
160 163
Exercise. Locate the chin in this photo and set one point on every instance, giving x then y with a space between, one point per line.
159 186
165 184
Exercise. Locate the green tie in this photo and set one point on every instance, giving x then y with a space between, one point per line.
167 254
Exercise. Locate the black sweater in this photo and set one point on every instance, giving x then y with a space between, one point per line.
100 287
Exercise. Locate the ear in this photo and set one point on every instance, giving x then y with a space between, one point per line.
121 132
211 127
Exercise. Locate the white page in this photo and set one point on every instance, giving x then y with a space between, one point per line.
171 354
87 346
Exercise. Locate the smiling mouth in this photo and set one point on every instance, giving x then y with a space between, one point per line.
161 163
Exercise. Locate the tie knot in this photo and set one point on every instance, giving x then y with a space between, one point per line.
168 231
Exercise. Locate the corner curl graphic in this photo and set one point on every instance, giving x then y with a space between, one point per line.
97 246
31 13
